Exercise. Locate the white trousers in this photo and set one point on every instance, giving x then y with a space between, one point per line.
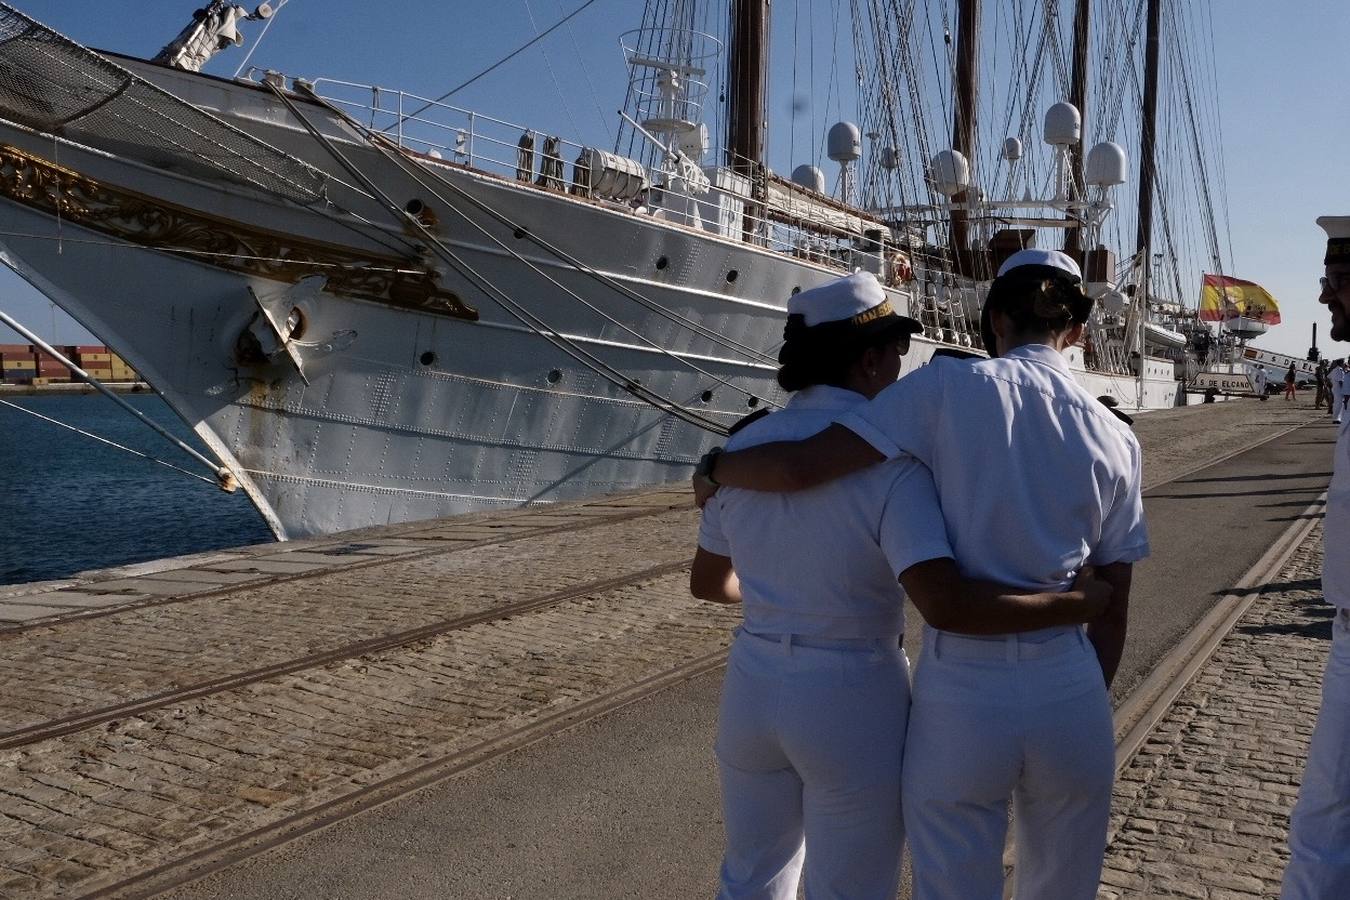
809 745
1026 719
1319 829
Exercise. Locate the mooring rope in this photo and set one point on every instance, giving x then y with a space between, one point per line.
103 440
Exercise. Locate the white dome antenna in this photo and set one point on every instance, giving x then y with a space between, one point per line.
810 178
1063 125
951 173
1106 164
844 146
844 143
1012 149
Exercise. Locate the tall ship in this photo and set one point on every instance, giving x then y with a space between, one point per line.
375 307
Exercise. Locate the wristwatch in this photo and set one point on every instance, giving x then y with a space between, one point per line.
707 463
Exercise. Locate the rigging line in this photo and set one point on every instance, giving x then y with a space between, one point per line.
415 175
586 73
276 10
512 55
532 322
553 76
1218 125
703 331
103 440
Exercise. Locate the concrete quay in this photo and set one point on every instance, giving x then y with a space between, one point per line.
509 704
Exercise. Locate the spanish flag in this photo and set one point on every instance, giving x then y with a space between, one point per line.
1223 298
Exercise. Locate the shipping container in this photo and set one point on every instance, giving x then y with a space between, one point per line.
91 348
18 363
89 358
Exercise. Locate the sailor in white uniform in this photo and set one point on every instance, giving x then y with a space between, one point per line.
1319 829
816 698
1036 480
1259 379
1337 386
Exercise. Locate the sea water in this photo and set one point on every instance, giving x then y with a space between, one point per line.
69 503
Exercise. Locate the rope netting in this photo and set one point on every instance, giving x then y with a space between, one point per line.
52 84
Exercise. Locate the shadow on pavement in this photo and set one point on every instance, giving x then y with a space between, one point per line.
1276 587
1255 477
1281 492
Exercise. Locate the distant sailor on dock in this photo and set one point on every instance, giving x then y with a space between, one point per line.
1319 828
1259 379
1037 480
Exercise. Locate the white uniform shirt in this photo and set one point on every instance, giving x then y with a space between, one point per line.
1335 561
1036 477
1260 378
1337 380
824 562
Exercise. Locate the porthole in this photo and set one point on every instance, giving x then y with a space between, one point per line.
520 233
295 324
752 402
796 290
732 276
428 358
554 376
706 396
662 263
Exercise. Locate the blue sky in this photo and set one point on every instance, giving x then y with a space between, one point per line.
1287 149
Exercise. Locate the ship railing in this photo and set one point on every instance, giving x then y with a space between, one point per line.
444 131
721 203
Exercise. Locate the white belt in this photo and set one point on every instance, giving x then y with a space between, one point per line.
1009 647
788 641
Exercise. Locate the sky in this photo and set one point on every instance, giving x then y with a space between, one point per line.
1286 146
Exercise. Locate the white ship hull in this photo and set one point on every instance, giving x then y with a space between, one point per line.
390 409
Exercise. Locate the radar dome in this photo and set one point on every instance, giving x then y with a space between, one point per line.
951 172
1012 149
844 142
1105 165
890 158
1063 125
810 178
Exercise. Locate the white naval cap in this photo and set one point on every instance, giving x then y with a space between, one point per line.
1051 259
838 300
1338 238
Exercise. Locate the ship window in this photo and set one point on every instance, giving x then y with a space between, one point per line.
752 402
554 376
706 396
662 263
796 290
520 233
428 358
732 276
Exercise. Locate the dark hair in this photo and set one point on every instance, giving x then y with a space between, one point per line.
1038 305
824 355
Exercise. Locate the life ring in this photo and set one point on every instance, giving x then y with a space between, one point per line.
898 270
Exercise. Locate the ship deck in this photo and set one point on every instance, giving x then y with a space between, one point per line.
515 703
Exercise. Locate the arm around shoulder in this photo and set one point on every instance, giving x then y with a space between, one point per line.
796 465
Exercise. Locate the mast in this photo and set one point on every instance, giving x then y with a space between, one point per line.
746 74
1078 97
1148 135
963 118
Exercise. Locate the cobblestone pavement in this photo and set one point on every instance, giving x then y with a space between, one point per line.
85 809
1202 811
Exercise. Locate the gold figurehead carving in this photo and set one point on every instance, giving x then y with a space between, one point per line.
222 243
